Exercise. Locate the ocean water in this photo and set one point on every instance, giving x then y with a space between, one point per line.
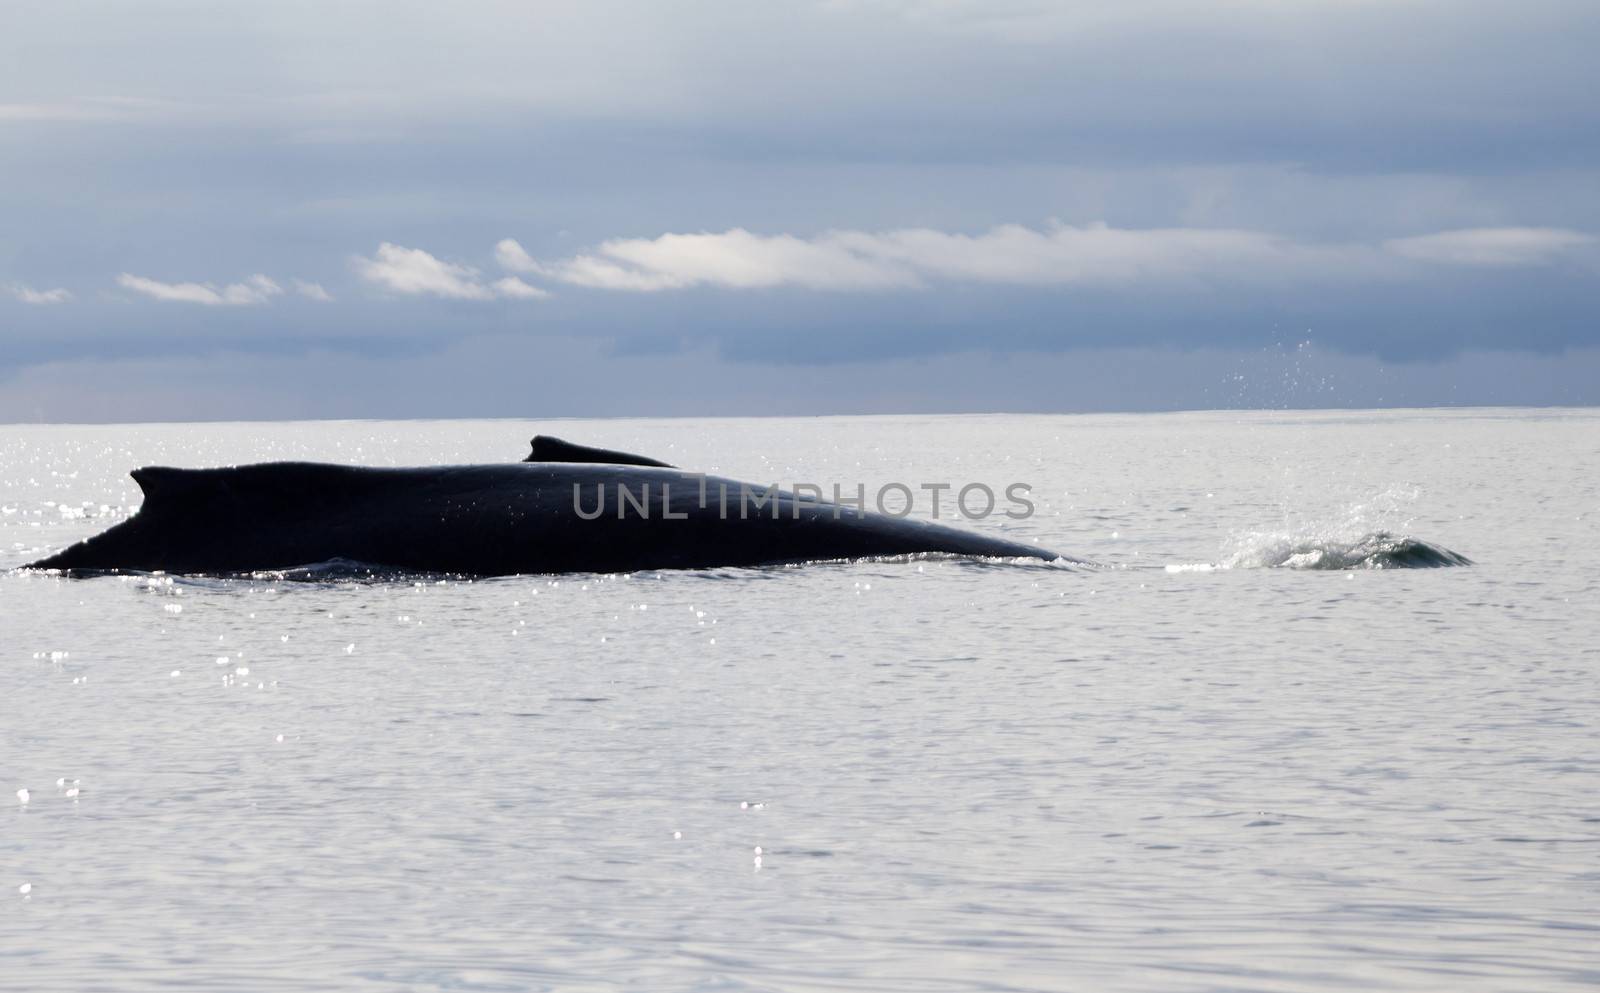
1217 761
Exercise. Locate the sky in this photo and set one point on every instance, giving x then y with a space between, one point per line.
223 210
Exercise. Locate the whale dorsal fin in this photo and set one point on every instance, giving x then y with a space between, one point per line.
164 483
549 449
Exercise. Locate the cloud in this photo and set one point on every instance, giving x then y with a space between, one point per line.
257 289
737 259
57 112
90 109
514 257
1500 247
1095 254
843 260
413 271
28 294
312 291
516 289
487 376
1058 255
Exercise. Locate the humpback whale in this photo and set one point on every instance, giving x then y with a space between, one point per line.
547 515
550 449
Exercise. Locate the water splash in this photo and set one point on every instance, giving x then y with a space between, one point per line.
1376 550
1367 535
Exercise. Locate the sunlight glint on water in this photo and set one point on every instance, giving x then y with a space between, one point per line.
882 776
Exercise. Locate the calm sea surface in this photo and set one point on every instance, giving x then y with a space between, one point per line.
1206 765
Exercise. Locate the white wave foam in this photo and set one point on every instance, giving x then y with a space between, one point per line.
1376 550
1366 535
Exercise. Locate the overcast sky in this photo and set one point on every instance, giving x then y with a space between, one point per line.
295 209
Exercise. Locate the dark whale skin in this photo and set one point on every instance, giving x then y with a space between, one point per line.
483 520
548 448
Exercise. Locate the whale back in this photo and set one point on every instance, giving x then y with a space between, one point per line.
286 486
488 520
